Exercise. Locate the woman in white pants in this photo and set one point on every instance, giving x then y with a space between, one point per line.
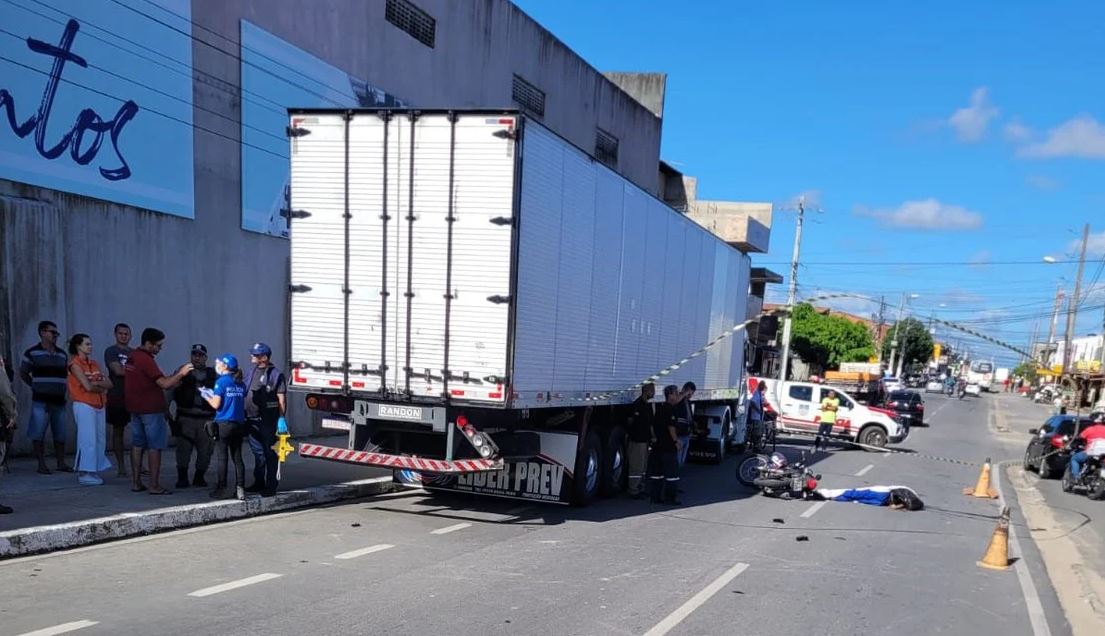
88 389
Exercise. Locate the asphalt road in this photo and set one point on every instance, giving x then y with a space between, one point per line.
727 561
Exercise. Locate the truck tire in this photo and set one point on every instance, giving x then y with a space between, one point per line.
873 435
723 439
588 470
615 472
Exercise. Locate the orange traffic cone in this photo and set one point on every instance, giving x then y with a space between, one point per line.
982 488
997 554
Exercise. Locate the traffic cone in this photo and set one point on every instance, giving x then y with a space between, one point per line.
997 554
982 488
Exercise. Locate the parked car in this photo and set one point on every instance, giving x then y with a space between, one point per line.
891 384
934 385
908 405
1046 452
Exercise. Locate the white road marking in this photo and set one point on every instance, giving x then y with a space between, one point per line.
866 469
233 585
1032 603
812 510
696 601
453 528
64 628
353 554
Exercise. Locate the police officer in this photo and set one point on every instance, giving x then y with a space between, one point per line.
192 414
266 394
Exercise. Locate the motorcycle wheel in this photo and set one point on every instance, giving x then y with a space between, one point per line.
748 470
1097 489
1068 481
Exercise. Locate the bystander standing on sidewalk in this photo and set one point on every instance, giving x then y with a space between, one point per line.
87 390
115 359
228 427
145 400
192 415
642 413
265 405
44 369
8 419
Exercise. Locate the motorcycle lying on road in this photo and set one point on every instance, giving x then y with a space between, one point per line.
776 477
1092 479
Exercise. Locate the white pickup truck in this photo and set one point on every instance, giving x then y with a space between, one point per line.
798 409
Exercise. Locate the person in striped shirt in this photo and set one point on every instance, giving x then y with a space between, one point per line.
44 368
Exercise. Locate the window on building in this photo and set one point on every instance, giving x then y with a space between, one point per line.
414 21
606 148
528 96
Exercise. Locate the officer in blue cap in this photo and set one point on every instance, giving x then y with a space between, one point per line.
266 403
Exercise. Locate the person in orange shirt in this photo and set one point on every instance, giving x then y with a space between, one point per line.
88 391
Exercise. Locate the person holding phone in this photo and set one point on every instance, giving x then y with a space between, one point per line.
228 427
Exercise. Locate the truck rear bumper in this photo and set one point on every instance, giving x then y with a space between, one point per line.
384 460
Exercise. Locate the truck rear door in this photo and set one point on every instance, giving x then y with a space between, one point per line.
401 252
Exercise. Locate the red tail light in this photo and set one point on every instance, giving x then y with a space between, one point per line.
329 403
1057 441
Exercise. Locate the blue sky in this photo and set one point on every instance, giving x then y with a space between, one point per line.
938 131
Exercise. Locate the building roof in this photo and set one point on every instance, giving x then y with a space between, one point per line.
765 275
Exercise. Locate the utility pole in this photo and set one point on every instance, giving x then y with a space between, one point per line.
1032 343
792 297
1072 303
1049 355
878 328
897 333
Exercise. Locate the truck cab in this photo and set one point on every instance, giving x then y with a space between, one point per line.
798 407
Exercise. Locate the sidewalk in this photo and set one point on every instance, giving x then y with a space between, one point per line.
54 512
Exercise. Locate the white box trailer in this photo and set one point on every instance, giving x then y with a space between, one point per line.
471 272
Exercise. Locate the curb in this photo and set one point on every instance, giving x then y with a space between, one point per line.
40 539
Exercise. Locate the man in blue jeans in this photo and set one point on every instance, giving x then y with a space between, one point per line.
684 420
45 369
1094 434
266 394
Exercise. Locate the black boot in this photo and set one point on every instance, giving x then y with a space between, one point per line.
182 477
199 481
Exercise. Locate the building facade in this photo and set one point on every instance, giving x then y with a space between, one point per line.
149 189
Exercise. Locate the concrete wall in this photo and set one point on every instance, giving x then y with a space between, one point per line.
646 88
87 264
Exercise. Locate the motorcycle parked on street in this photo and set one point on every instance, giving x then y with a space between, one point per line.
776 477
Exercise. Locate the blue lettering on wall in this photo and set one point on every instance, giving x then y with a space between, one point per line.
88 121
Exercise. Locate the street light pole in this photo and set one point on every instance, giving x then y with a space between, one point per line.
792 297
897 332
1072 303
1049 355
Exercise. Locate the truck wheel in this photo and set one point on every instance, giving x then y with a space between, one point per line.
873 435
588 470
614 469
723 440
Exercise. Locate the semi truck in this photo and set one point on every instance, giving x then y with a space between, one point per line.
476 301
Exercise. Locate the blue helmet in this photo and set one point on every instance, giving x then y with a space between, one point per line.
229 360
260 349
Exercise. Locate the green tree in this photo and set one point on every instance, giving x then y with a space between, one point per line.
914 341
827 341
1026 370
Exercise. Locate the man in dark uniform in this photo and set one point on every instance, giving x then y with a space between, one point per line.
265 405
663 461
192 414
641 414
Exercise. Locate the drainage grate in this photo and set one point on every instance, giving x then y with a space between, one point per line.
417 23
606 148
528 96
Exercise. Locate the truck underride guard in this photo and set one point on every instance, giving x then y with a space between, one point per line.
384 460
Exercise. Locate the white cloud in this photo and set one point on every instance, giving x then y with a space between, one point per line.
980 260
928 214
1082 137
1041 182
970 122
1017 132
1095 245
